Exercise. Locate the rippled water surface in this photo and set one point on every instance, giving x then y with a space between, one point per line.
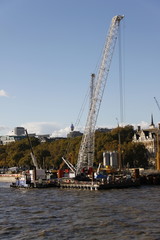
132 213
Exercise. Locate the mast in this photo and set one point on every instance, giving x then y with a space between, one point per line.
34 160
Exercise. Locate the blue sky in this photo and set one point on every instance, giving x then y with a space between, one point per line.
49 48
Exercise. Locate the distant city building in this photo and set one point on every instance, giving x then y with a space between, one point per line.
44 138
73 133
103 130
19 131
8 139
18 134
149 138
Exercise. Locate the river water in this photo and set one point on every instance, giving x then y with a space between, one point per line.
64 214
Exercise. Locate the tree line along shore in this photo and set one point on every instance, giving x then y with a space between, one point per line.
49 154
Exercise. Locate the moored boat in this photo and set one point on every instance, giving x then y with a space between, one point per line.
34 179
8 177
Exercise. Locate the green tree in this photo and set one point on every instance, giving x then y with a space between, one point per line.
135 154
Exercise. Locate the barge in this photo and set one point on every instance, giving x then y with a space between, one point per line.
112 182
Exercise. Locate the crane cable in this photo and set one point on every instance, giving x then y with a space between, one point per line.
121 78
82 108
78 118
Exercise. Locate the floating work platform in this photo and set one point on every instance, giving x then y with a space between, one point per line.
152 178
98 185
119 185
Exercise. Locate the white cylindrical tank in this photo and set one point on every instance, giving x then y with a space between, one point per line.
106 159
113 159
32 173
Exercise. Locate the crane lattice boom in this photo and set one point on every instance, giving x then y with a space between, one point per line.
86 152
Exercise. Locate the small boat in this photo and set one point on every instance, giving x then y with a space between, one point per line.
33 179
36 178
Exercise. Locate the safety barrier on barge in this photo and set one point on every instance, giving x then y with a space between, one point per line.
89 186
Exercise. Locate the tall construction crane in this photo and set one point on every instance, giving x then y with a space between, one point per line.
86 152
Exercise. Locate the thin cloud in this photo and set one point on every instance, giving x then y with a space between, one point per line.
142 124
60 132
4 130
41 127
3 93
52 128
